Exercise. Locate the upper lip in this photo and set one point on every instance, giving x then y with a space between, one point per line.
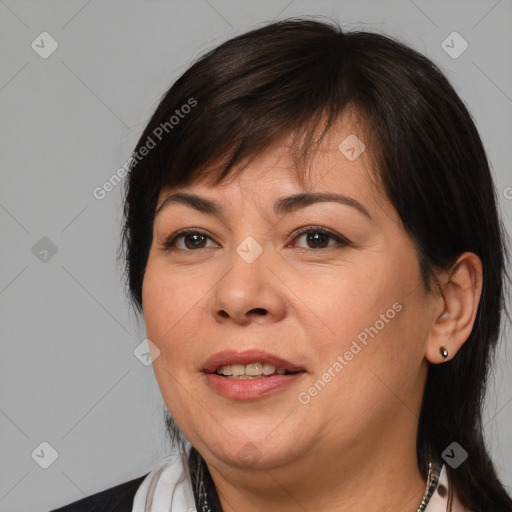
226 357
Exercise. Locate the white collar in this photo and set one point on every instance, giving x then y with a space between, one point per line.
439 502
167 488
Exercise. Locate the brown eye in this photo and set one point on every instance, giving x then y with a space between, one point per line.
319 238
192 240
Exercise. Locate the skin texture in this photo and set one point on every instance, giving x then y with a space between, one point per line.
353 445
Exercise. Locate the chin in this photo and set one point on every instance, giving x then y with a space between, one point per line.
246 451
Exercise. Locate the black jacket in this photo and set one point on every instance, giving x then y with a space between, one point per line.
115 499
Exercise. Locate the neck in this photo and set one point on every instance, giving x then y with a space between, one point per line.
379 476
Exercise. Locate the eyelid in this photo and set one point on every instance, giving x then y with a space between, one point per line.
312 227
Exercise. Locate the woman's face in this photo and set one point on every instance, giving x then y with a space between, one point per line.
346 311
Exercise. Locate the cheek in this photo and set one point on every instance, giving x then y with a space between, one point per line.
155 303
169 304
343 307
366 376
374 322
169 301
166 296
162 306
378 365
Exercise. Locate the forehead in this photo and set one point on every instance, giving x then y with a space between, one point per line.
269 185
340 165
342 158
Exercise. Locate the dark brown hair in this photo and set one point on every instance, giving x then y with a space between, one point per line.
297 77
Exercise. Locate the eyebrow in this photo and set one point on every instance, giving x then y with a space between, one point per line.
282 206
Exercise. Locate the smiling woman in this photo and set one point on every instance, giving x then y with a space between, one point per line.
319 261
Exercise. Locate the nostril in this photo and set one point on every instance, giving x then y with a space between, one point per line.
259 311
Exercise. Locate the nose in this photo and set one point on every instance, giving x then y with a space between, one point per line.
249 292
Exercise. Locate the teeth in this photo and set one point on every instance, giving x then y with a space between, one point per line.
225 370
237 369
268 369
253 370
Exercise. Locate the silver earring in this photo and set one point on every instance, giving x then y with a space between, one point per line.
443 351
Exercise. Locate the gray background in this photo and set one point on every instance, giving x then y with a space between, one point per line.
69 376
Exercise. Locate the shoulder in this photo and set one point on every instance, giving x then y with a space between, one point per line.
115 499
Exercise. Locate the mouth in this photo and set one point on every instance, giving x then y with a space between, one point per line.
256 370
250 364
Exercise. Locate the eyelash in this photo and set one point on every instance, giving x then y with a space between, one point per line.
341 241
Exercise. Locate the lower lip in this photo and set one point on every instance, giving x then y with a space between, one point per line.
247 389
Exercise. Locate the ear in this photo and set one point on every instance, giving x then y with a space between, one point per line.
455 307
